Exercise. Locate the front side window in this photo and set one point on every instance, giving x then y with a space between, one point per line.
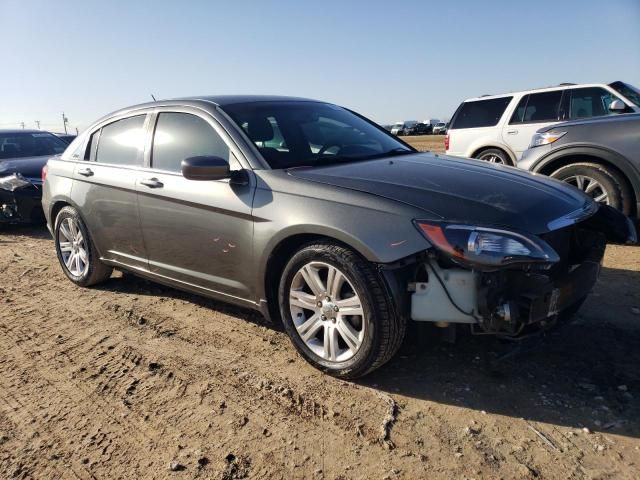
179 136
292 134
120 142
29 144
590 102
480 113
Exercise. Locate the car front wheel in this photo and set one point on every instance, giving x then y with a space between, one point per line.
594 180
336 311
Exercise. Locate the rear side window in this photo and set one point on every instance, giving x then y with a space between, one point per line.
480 113
540 107
121 142
182 135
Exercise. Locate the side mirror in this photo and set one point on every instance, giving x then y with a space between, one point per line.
205 168
617 106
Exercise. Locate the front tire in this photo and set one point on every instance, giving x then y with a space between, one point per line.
336 311
594 180
76 252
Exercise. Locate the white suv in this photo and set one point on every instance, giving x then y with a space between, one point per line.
498 128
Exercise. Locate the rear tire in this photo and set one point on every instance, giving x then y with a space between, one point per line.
494 155
374 332
76 252
596 181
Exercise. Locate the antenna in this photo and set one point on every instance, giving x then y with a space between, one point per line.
154 98
38 124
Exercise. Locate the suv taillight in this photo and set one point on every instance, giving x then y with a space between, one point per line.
446 142
44 172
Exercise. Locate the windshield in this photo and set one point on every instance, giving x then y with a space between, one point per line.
294 134
29 144
629 91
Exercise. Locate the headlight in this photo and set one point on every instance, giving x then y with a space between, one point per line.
545 138
487 246
13 182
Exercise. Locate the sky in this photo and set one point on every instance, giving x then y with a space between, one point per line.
408 60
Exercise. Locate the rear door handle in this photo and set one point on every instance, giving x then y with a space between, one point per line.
512 132
152 183
85 172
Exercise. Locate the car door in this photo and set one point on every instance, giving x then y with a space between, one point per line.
104 189
534 111
196 232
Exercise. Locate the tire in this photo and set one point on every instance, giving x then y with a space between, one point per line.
593 175
494 155
625 191
376 332
71 237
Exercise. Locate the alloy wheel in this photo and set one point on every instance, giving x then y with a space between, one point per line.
590 186
73 247
492 158
327 312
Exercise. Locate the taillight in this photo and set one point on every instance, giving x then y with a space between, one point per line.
446 142
45 170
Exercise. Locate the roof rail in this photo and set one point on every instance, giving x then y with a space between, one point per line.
566 84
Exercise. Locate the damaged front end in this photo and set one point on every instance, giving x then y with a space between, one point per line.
507 283
20 199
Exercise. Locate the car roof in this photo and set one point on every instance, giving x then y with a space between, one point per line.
536 90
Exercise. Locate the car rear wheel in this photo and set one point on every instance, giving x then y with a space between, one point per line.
76 253
336 311
594 180
494 155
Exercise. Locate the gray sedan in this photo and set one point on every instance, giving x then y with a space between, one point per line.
317 217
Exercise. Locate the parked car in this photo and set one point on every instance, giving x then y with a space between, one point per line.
387 127
402 128
345 243
600 156
23 153
440 128
498 128
419 129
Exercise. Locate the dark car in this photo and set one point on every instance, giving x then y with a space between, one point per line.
23 153
420 129
336 227
600 156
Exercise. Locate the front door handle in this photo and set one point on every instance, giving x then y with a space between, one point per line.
512 132
85 172
152 183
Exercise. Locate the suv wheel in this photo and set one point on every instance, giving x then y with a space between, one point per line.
594 180
76 253
336 311
494 155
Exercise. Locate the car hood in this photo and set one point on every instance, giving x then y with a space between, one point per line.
459 190
29 167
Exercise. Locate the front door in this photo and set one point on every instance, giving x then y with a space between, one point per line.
196 232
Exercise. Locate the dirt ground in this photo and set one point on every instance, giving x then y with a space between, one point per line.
134 380
432 143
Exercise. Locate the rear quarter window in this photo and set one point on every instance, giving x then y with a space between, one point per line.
480 113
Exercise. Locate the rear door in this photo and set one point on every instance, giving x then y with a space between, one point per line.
196 232
534 111
104 189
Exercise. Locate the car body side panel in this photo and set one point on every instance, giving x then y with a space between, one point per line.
378 229
57 188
